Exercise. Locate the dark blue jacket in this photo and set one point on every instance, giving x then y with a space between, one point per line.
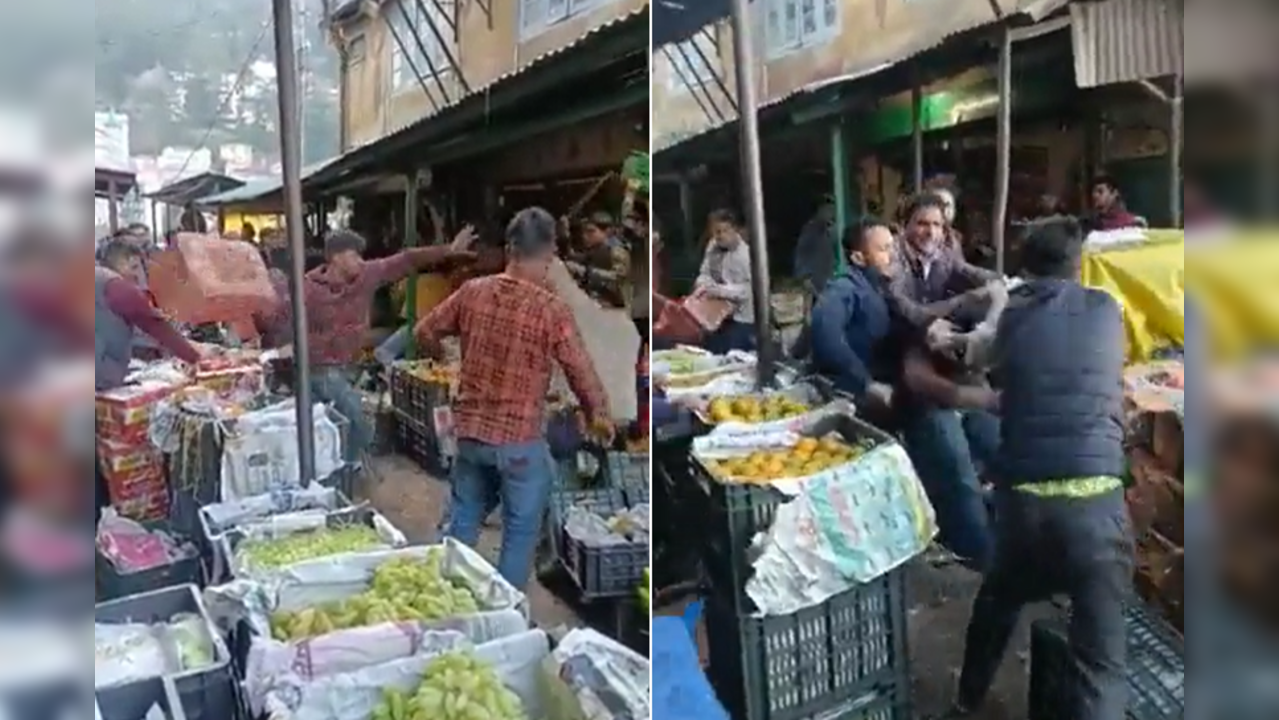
850 321
1059 363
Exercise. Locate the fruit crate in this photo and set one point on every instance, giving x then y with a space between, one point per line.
229 543
206 694
601 573
415 396
733 515
416 440
113 584
814 662
1156 669
221 518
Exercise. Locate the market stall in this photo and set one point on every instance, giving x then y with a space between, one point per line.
215 617
225 562
755 492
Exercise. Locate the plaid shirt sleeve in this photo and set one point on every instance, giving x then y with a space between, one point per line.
444 321
569 351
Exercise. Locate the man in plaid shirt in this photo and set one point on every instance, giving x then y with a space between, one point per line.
513 331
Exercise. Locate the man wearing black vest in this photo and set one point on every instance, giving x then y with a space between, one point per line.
1062 524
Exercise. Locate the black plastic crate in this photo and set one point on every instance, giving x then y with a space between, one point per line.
209 694
629 471
414 396
601 573
734 515
814 662
888 703
416 440
113 584
1156 669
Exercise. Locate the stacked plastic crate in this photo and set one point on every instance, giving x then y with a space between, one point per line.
845 659
420 398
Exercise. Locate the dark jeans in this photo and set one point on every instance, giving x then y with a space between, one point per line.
946 446
516 478
732 335
333 385
1048 547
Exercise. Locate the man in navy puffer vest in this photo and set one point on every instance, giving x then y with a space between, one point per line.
1062 524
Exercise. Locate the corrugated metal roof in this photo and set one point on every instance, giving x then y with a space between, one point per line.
255 190
948 22
1119 41
524 66
478 100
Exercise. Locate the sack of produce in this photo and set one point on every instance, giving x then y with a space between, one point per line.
507 679
261 455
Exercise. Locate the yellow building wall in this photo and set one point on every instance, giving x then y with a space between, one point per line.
490 48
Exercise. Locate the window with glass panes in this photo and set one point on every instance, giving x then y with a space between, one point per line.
793 25
538 16
412 57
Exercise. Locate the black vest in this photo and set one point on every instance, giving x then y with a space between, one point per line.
1060 364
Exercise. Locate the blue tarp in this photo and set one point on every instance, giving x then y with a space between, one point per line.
681 690
678 20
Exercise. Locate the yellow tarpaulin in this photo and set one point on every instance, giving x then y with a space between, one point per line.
1149 281
1237 287
1235 282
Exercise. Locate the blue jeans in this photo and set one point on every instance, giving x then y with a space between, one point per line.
517 478
945 447
394 348
333 385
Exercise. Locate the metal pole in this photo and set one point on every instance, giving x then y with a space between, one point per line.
1176 137
294 221
753 187
839 173
917 128
1004 149
410 240
113 206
